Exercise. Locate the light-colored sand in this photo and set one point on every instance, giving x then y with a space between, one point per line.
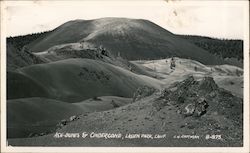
226 76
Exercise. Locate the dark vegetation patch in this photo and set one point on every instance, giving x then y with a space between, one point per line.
20 41
224 48
88 74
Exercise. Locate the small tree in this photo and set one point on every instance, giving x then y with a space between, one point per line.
238 73
172 64
114 104
195 68
118 54
96 98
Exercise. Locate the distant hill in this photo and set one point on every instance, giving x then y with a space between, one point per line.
20 41
225 48
131 38
135 39
230 50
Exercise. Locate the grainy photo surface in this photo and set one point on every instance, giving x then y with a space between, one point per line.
119 74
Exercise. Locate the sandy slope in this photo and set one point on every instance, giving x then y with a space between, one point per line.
157 115
20 85
102 103
187 66
231 83
74 80
36 115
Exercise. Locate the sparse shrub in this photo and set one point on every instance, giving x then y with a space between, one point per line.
190 126
165 93
96 98
172 63
195 68
238 73
231 82
181 99
114 104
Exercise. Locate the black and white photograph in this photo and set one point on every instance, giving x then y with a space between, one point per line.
133 74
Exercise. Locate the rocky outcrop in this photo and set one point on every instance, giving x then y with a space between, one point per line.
65 122
194 98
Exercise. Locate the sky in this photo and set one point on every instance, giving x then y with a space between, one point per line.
218 19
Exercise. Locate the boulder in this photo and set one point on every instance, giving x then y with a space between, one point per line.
196 108
201 106
189 109
72 118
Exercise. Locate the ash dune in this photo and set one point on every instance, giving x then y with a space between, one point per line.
36 115
20 85
27 116
102 103
74 80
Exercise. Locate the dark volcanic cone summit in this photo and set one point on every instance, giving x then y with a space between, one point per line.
131 38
